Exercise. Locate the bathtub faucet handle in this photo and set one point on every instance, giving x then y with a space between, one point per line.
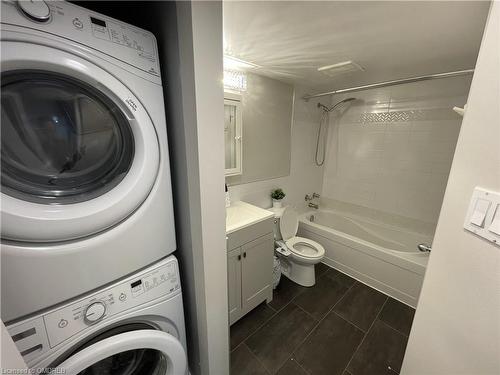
424 248
308 198
312 205
316 195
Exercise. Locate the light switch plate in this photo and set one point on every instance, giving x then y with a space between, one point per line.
483 215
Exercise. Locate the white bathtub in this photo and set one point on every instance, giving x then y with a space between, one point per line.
380 255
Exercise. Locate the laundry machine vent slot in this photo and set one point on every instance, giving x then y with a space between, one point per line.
32 349
24 334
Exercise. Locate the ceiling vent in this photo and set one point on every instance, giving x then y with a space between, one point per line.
340 68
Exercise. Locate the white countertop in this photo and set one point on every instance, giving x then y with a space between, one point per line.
241 215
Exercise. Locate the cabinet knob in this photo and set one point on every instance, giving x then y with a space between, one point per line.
239 257
244 254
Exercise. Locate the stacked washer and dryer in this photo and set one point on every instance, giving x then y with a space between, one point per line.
88 285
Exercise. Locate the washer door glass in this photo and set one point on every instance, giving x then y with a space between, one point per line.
132 362
63 141
136 351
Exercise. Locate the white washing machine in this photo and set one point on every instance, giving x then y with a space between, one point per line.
133 327
85 179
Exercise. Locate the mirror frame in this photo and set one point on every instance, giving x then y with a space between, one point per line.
234 99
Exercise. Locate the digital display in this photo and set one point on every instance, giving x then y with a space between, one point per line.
136 283
98 22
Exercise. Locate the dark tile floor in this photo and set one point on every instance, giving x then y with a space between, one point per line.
339 326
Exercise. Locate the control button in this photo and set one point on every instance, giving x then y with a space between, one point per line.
37 10
122 297
62 323
95 312
77 23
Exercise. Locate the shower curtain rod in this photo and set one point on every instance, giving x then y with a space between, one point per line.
392 83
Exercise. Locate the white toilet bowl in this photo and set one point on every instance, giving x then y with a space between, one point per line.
298 262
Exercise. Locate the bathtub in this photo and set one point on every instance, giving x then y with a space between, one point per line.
380 255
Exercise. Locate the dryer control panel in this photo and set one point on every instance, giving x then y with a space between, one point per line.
36 335
117 39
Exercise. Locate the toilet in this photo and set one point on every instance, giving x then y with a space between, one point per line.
297 255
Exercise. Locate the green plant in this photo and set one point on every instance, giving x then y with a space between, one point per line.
278 194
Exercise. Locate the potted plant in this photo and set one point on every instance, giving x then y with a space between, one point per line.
277 195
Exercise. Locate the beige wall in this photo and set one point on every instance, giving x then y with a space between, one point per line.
457 324
391 150
267 120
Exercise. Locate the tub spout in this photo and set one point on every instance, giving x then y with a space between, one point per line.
312 205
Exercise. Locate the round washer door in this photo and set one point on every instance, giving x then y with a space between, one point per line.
79 153
131 353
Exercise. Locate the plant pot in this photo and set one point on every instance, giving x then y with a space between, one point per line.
277 203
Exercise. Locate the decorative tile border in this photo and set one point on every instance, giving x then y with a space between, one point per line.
408 115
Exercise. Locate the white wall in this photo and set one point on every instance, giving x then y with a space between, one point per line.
207 55
391 150
305 177
457 324
192 73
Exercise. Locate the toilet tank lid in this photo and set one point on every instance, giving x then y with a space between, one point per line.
289 223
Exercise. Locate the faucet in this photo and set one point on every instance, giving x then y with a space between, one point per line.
311 197
312 205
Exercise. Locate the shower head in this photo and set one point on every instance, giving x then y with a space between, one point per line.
329 109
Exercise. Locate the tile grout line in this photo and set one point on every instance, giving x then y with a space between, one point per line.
257 359
298 364
256 329
267 320
324 274
315 326
366 334
319 322
348 321
394 329
312 317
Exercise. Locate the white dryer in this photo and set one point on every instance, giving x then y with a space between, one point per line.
133 327
85 179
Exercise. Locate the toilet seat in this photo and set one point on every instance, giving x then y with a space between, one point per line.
301 255
300 247
305 248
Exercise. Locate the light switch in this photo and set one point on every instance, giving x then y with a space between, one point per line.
495 223
483 215
480 211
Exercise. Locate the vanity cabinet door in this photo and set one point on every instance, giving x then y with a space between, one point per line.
257 257
234 284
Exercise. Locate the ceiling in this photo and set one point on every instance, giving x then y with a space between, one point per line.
390 40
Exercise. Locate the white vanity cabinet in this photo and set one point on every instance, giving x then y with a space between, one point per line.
250 267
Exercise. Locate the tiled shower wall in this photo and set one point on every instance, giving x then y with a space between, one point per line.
392 149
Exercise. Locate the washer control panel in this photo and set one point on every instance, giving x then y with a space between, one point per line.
117 39
64 322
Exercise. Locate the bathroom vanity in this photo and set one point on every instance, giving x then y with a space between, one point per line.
250 249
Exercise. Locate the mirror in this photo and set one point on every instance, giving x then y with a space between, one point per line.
266 116
232 133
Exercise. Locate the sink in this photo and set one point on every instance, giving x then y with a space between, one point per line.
241 215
